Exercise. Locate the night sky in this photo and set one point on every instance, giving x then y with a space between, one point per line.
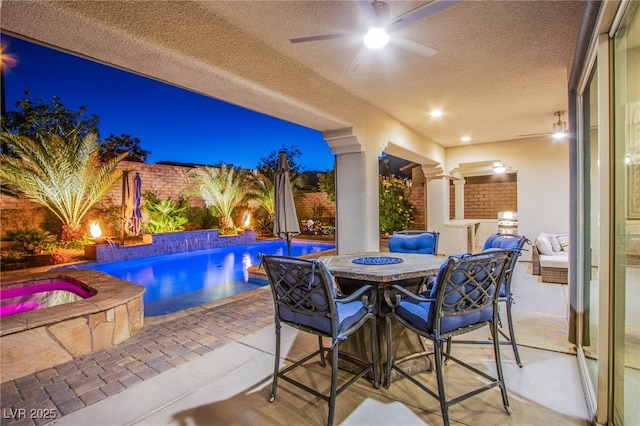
174 124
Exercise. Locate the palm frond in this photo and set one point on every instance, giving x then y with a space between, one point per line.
64 175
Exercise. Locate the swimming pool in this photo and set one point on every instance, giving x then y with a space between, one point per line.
179 281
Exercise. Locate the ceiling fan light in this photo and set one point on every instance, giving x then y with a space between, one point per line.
559 131
376 38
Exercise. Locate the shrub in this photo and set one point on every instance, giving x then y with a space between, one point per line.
32 240
164 215
396 212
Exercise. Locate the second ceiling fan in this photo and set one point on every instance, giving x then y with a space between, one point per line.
380 28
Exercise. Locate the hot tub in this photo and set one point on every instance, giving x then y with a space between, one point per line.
107 312
25 296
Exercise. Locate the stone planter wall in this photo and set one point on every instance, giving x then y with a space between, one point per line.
159 244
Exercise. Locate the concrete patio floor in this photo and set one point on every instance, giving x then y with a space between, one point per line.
213 365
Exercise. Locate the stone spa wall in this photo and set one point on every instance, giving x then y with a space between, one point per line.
40 339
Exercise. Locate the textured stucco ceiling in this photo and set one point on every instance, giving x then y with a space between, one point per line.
501 69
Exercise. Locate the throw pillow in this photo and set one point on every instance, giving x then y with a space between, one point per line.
563 239
555 244
544 245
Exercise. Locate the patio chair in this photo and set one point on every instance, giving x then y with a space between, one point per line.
514 243
463 299
421 242
305 298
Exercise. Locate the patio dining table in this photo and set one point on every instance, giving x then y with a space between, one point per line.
382 270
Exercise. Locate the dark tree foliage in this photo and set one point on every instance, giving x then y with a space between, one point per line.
113 146
268 165
34 117
327 184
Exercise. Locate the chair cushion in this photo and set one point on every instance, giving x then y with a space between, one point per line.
420 243
420 316
348 314
497 241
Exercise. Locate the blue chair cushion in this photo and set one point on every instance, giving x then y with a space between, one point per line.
348 314
497 241
422 314
420 243
500 242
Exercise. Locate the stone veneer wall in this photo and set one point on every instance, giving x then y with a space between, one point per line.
36 340
158 244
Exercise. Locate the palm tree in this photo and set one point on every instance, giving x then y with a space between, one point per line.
223 189
64 175
265 194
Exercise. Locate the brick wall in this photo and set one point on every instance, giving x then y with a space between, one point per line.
484 198
164 180
415 195
316 206
168 181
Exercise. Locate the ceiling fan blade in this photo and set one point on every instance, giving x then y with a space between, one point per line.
366 12
413 46
321 37
353 67
421 12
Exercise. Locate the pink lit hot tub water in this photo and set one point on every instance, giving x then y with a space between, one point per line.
28 296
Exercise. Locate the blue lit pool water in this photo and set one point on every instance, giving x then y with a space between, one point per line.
183 280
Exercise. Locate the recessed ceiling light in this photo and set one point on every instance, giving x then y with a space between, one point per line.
436 113
465 138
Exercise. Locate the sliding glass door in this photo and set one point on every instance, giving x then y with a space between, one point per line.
626 267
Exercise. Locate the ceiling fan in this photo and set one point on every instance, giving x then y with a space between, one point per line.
380 29
559 128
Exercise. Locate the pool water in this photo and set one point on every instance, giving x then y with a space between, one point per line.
179 281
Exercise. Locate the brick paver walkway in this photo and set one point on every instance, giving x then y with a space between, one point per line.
161 345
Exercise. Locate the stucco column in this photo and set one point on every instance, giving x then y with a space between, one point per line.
459 195
357 203
437 202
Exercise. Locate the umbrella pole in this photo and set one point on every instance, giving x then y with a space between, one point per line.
288 244
123 206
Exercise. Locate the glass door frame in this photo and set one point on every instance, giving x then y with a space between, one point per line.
599 60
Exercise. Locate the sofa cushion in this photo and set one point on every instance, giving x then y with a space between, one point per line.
563 239
555 244
544 244
559 260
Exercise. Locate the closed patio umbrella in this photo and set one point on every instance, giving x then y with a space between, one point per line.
135 221
286 220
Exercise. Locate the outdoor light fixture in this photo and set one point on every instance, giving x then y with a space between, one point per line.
376 38
94 230
436 113
627 159
559 127
465 139
498 168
